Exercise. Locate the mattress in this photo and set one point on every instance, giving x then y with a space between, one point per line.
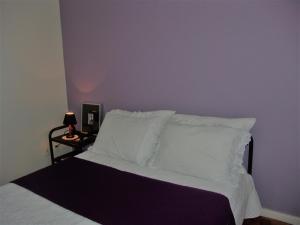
20 206
243 198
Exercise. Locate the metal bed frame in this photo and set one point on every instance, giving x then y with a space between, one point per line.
250 155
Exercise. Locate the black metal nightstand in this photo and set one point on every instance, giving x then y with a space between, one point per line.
78 144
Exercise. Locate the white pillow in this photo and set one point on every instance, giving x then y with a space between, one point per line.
239 123
201 151
132 136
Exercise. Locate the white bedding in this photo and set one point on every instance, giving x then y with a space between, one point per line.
20 206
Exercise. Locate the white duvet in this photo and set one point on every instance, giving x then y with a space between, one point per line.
20 206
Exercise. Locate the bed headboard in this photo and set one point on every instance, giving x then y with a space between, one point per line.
250 155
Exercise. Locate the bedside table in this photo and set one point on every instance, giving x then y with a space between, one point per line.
78 144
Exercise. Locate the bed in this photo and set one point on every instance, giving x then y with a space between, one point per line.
119 187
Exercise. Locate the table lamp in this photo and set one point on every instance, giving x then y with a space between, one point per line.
70 121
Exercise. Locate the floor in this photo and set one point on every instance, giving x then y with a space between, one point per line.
263 221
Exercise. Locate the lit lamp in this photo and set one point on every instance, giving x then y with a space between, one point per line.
70 121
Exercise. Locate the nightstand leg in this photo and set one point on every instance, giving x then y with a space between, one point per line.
51 152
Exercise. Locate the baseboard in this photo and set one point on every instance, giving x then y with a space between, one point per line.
281 216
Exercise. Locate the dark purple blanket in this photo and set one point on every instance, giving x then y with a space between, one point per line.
112 197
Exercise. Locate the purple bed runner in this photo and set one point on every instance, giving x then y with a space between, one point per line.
112 197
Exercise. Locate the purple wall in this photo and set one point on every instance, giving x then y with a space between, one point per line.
208 57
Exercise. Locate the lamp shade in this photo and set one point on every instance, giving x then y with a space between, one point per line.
70 119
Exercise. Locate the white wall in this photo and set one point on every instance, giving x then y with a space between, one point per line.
298 60
1 50
33 85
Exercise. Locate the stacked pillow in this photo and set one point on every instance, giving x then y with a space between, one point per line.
205 147
131 136
237 123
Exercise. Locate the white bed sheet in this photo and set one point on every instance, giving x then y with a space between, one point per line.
20 206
